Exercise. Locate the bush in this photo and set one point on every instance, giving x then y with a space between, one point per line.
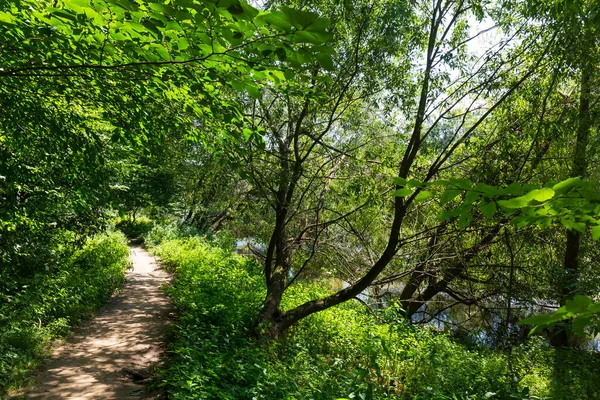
218 296
47 305
169 231
345 352
177 230
137 228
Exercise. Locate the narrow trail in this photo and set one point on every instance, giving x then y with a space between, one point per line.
124 337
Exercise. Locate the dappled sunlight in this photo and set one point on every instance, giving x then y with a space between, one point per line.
127 333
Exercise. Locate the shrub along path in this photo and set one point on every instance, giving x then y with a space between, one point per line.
105 357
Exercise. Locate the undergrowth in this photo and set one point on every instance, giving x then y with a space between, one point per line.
36 309
341 353
137 228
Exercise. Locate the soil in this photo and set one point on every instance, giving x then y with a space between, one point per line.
114 355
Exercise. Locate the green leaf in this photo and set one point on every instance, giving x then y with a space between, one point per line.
162 8
464 220
546 319
173 26
126 4
579 226
66 14
163 53
567 223
449 195
488 209
465 184
309 37
470 197
281 54
514 189
301 19
183 44
441 182
414 183
580 323
183 16
423 196
448 214
523 201
253 91
276 19
249 11
489 191
400 181
402 192
118 36
578 304
522 220
517 202
320 25
596 232
544 194
325 61
235 9
135 26
81 3
566 185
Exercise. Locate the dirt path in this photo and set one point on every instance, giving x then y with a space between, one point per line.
126 334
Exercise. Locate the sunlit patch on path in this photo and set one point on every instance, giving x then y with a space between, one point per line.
125 336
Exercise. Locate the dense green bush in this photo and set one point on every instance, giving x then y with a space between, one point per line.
168 231
171 230
137 228
45 306
345 352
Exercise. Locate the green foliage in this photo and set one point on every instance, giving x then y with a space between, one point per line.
90 90
344 352
168 231
573 203
35 310
137 228
155 32
56 178
214 322
181 47
581 309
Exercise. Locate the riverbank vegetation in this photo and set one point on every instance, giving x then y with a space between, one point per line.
346 352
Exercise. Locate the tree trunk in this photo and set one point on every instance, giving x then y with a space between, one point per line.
189 215
570 277
280 321
276 269
412 304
